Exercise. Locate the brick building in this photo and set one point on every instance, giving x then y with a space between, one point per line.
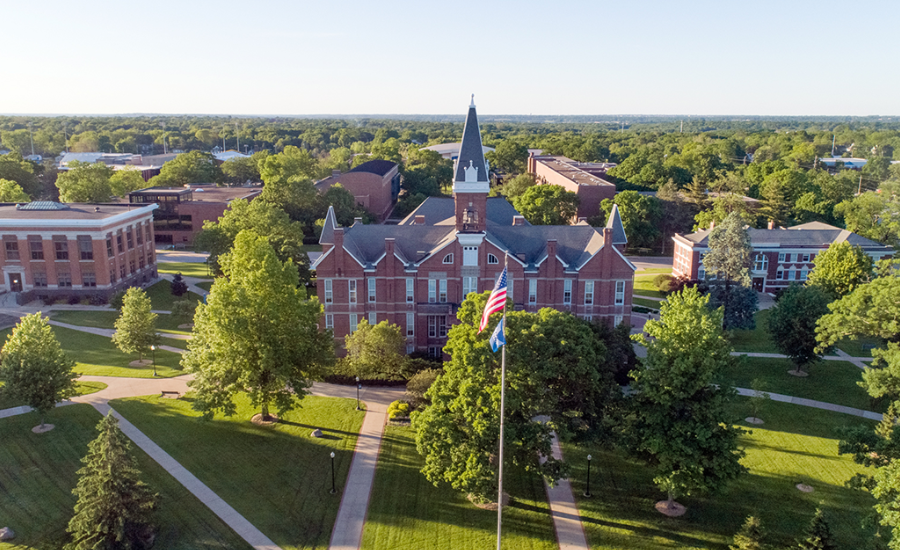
60 250
780 255
182 210
582 178
417 273
374 184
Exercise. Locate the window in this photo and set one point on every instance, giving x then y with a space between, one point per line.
442 296
62 250
617 320
803 258
791 273
329 321
129 238
470 255
85 249
64 280
122 271
567 292
588 318
37 250
589 293
803 274
112 275
147 232
761 262
779 275
701 274
410 348
12 250
437 326
448 259
532 291
131 267
370 284
410 297
432 291
329 295
352 287
88 280
470 284
373 318
620 293
40 280
781 257
119 243
353 322
410 324
435 352
109 247
493 259
139 233
141 262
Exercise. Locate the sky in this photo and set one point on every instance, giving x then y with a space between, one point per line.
563 57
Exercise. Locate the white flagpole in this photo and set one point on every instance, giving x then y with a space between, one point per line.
502 409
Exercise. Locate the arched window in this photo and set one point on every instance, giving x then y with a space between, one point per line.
448 259
493 259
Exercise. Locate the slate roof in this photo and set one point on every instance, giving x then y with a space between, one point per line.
442 211
815 234
575 244
615 223
471 151
378 166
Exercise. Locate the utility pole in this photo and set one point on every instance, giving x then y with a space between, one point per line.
66 137
832 144
238 136
163 126
682 127
859 190
30 133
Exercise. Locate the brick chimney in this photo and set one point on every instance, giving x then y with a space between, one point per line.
551 248
335 173
771 224
389 246
338 239
419 219
712 224
518 220
357 220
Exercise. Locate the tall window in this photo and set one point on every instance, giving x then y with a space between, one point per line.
532 291
62 250
354 322
437 326
410 296
470 284
64 280
432 291
12 250
410 324
589 293
620 293
617 320
781 257
119 243
371 288
779 275
329 294
761 262
147 232
567 292
40 279
86 249
109 246
803 274
470 255
352 288
37 250
130 239
373 318
329 320
112 274
442 296
139 233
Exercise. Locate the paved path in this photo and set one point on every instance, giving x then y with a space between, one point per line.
190 281
815 404
183 256
108 332
650 262
841 356
563 510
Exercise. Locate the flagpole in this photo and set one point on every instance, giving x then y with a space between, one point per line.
502 410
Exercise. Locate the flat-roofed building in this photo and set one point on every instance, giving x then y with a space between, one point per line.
451 150
52 249
582 178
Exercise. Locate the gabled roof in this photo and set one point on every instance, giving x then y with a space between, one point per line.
377 166
327 236
615 223
471 151
442 211
814 234
575 244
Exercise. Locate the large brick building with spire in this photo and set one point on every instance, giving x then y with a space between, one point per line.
417 273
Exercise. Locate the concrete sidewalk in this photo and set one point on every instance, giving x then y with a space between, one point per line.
815 404
563 510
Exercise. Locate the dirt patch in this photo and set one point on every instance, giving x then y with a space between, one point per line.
798 373
267 421
42 429
488 505
671 509
753 420
140 363
804 488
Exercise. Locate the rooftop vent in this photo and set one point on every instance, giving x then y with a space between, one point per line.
96 209
42 205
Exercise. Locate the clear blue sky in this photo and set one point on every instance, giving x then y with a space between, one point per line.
519 57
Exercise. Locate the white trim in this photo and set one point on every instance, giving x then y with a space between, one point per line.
96 224
316 263
470 239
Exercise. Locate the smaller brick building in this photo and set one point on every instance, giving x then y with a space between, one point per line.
53 250
582 178
374 184
780 255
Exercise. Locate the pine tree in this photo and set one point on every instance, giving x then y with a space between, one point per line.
35 368
136 326
749 537
729 260
114 508
179 287
818 534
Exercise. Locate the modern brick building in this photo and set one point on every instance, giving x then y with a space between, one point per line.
374 184
780 255
52 249
417 273
182 210
582 178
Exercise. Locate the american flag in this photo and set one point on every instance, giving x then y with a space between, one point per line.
497 300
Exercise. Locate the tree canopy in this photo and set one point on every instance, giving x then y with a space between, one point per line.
728 262
11 191
792 323
841 269
547 205
136 325
187 168
377 352
641 217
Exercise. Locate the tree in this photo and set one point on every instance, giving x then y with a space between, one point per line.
509 156
257 334
743 302
240 170
11 191
122 182
749 537
346 209
14 168
641 216
184 309
179 287
136 325
514 187
841 268
287 179
680 423
792 324
115 508
376 352
85 182
870 310
873 215
729 260
818 534
34 368
547 205
187 168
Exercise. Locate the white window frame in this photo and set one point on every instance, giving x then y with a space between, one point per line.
470 285
329 292
351 289
589 293
470 256
781 257
492 260
567 292
761 260
803 258
448 259
432 291
354 323
791 274
617 320
410 348
371 288
442 291
410 290
532 291
804 273
779 275
620 293
373 318
410 325
329 321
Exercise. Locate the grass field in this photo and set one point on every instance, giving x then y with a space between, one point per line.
96 355
643 286
188 269
652 304
161 296
107 319
38 476
828 381
796 445
653 270
758 340
277 477
82 388
206 285
407 511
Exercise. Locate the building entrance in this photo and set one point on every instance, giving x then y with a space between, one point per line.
15 282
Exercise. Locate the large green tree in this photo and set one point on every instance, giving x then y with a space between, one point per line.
115 508
841 268
680 422
728 260
136 325
516 186
641 217
11 191
288 184
873 215
256 334
509 156
871 310
547 205
122 182
85 182
377 352
14 168
34 367
187 168
792 323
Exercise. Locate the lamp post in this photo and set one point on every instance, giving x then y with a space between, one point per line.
358 386
153 351
587 491
333 490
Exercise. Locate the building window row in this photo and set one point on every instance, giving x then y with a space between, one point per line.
792 274
437 326
787 258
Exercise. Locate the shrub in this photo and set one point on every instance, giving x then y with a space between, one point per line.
97 300
398 409
184 308
74 300
117 299
665 283
419 384
179 287
48 300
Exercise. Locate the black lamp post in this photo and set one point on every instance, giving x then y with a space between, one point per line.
587 491
358 386
153 351
333 490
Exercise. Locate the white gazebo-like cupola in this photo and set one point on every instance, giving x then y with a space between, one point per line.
471 182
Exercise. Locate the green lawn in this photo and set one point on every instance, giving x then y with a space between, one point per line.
38 476
860 348
828 381
758 340
277 477
107 319
643 286
82 388
161 296
653 270
206 285
96 355
188 269
795 445
407 511
652 304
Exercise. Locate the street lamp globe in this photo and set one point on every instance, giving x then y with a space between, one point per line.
332 454
588 457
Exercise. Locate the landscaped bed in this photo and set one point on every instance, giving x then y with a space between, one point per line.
407 511
277 477
38 476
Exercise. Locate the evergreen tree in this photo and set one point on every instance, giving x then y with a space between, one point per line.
729 260
179 287
818 534
749 537
35 369
115 508
136 326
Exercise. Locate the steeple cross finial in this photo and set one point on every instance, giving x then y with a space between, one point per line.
473 101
